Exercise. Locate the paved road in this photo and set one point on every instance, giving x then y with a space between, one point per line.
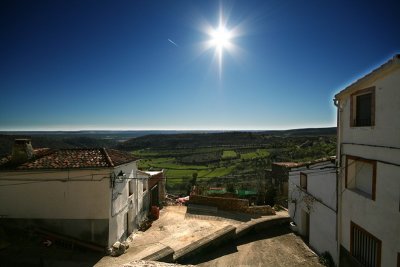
276 247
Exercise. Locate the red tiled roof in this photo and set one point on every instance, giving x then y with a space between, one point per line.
75 158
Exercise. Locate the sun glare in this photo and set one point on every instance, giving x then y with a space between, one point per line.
220 37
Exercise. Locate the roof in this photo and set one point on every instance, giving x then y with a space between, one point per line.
389 66
71 159
300 164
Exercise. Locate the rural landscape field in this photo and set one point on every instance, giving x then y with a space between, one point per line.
238 160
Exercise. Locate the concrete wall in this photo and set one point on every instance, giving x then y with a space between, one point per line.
380 142
321 186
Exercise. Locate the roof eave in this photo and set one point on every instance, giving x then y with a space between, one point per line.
381 71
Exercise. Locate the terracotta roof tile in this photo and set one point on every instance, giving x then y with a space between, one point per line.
72 158
301 164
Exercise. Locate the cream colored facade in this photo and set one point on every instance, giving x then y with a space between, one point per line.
369 195
89 204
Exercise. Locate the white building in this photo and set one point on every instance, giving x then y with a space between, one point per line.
312 203
369 175
91 195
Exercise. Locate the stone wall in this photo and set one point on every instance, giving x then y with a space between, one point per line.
231 204
264 210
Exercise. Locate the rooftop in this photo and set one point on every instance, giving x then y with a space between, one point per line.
70 159
300 164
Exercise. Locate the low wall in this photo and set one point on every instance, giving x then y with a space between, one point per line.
222 203
264 210
231 204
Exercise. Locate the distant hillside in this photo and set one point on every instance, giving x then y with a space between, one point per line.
251 138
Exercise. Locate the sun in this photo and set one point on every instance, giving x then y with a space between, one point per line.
220 37
220 40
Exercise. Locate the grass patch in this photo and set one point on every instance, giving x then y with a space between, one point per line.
229 154
259 153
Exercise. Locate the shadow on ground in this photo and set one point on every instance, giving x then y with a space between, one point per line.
26 248
232 247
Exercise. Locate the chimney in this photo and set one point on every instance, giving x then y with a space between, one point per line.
22 151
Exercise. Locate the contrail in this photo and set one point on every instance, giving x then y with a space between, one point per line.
172 42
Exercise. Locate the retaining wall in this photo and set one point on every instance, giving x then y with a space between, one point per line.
231 204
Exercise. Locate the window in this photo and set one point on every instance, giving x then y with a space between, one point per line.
361 176
131 185
362 107
365 247
303 180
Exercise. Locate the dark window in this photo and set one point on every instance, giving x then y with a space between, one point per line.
363 108
303 180
130 185
365 247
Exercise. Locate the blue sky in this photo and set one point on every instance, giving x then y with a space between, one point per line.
70 65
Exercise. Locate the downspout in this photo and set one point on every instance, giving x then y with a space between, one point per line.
339 127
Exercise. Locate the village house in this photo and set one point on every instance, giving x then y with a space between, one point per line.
368 154
312 203
91 195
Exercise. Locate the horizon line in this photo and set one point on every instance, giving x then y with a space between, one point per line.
161 130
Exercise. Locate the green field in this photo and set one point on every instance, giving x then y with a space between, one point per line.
217 161
259 153
207 163
228 154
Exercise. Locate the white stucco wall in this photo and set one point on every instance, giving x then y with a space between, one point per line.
387 128
123 209
75 194
321 184
55 194
380 142
381 217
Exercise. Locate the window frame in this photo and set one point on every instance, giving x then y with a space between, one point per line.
369 235
369 161
304 187
353 106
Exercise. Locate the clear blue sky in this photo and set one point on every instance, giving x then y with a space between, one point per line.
68 65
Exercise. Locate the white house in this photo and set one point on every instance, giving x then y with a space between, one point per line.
312 203
91 195
369 175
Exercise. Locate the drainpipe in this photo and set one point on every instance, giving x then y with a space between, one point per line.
339 128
